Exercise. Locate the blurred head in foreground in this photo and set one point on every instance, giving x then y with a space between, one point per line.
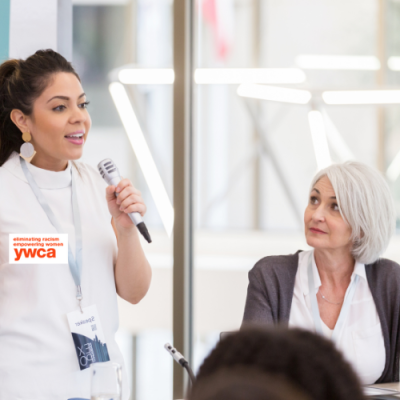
245 383
305 359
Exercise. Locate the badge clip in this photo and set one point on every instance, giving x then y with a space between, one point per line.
79 297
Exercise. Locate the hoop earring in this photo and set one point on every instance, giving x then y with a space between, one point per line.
27 151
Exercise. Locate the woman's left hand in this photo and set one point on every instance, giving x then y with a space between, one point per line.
129 200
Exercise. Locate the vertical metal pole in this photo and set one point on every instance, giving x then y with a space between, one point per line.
130 33
380 80
257 160
183 188
134 372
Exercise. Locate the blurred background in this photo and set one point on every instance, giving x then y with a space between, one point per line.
256 148
254 158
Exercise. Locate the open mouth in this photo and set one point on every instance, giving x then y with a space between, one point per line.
75 138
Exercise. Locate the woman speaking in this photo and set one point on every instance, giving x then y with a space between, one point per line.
340 289
44 120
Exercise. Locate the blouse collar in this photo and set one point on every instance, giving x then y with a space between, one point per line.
359 269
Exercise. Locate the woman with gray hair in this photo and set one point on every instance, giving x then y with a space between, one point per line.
341 288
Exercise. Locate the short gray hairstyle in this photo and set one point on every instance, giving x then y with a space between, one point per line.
366 204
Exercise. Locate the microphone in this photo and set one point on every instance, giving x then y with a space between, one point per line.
109 172
178 357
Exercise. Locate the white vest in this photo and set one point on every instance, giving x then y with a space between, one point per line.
37 355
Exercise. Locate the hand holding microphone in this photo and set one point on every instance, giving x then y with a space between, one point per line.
129 200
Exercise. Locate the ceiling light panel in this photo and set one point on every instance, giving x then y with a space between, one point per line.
235 76
359 63
274 93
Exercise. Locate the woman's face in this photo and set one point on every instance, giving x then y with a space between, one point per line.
324 226
60 122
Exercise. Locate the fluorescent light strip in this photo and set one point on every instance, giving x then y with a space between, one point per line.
100 2
216 76
142 152
359 63
146 76
212 76
394 63
362 97
273 93
393 171
339 146
321 149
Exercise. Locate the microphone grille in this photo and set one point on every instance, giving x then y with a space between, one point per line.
101 171
107 167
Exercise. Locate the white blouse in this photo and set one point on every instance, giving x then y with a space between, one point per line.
361 340
37 353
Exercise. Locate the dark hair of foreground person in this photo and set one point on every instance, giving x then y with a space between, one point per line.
305 359
245 383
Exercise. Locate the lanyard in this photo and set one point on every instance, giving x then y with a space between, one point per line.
75 263
314 304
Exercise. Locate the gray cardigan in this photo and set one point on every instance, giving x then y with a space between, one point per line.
270 293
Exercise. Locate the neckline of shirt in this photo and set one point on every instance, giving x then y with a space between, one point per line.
44 178
359 269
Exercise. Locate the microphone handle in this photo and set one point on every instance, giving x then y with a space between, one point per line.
135 217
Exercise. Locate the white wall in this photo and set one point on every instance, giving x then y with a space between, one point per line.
40 24
33 26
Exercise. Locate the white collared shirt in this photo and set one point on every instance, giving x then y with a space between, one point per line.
361 340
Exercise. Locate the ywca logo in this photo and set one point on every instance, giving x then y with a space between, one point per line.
32 253
28 248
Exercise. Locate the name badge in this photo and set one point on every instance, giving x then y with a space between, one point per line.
88 336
